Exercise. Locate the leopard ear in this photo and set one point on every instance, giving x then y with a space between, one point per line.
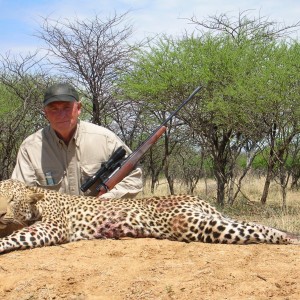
34 197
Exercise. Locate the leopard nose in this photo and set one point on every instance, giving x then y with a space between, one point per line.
2 222
2 213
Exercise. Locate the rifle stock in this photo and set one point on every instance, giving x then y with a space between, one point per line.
131 161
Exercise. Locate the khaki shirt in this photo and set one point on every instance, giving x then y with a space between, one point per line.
45 160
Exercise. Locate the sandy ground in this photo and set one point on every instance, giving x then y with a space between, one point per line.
151 269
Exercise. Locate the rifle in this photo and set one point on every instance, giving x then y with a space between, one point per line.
116 169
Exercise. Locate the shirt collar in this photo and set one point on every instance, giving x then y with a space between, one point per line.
77 134
50 133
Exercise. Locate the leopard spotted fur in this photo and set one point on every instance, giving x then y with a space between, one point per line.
52 218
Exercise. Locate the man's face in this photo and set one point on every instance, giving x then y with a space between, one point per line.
63 116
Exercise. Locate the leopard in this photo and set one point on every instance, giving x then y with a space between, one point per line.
51 218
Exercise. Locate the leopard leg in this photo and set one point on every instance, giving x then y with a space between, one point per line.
37 235
225 230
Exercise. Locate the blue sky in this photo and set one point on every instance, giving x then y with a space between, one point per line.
20 19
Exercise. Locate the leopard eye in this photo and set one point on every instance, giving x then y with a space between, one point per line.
10 199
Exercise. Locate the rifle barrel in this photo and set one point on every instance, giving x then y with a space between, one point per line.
197 89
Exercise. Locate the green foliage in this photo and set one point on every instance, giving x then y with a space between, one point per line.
8 101
165 70
242 81
250 84
241 161
260 162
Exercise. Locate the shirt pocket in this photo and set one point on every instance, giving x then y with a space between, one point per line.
50 179
87 171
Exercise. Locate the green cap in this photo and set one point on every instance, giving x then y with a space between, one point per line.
60 92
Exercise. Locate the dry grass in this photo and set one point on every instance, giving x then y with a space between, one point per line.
249 209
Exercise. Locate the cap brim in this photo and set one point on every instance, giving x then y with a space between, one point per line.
64 98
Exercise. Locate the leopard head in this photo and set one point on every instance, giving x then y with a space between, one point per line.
21 202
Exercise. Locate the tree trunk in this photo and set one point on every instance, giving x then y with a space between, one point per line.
271 163
220 192
96 112
283 193
171 184
221 183
265 193
231 190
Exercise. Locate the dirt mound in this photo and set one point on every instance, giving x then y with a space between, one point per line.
151 269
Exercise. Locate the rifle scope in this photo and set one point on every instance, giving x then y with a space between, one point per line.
109 166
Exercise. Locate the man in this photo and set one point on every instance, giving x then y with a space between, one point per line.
64 154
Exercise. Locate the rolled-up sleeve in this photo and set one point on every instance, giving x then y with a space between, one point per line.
129 187
23 170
